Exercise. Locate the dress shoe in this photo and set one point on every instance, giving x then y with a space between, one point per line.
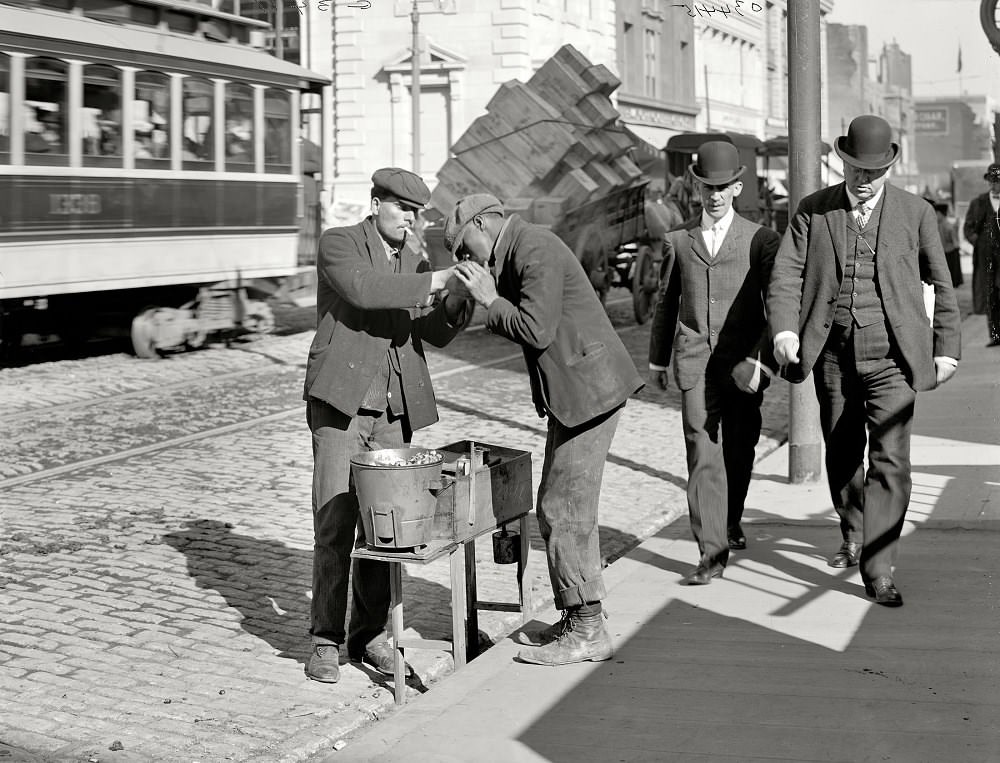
324 663
703 575
883 590
379 655
583 638
848 555
737 540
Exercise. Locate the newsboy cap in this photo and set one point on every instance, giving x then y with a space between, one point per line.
868 144
401 184
718 163
992 173
465 210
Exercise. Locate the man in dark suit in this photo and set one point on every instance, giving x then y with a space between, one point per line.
367 387
846 303
982 230
581 374
715 270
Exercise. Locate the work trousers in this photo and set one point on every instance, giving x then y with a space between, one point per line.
568 497
865 398
337 529
721 428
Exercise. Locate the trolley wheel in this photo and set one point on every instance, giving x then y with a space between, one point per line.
144 334
593 255
645 284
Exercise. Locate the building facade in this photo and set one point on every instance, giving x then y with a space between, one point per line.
949 130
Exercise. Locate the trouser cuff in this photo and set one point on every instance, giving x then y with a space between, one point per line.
592 590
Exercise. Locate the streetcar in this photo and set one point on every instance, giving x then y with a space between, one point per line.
150 168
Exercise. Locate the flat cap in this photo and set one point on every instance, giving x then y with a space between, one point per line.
465 209
403 185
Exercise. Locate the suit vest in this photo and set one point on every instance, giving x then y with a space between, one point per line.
859 302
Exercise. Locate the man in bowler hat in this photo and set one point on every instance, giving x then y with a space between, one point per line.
982 230
367 387
846 303
537 294
710 318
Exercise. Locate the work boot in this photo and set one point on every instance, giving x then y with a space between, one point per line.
545 635
324 663
584 637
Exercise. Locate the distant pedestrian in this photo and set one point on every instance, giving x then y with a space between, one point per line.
982 230
367 387
949 242
710 318
846 304
537 294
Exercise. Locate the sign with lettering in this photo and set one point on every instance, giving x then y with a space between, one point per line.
656 118
931 120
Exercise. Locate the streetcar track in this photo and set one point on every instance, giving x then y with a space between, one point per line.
215 431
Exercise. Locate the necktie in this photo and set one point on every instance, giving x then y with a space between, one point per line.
862 214
713 240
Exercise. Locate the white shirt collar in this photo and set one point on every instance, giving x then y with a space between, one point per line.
722 226
870 204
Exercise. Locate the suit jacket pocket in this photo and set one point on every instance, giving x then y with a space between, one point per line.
589 352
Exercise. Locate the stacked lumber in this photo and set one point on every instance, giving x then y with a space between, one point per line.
543 147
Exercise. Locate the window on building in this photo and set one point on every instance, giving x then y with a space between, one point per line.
4 109
197 109
151 119
45 94
649 63
239 128
277 131
101 117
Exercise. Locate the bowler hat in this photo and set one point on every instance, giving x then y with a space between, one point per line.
465 210
992 173
868 144
402 185
718 163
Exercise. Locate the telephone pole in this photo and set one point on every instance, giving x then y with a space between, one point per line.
415 85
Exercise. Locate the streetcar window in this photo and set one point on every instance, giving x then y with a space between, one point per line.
151 119
239 128
102 116
4 110
277 131
45 101
198 143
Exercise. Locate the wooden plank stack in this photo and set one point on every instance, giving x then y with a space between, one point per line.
545 147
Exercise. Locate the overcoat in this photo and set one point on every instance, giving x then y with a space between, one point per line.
809 267
982 225
578 366
713 307
363 307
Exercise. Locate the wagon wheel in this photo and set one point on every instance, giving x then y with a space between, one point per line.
260 319
144 334
593 255
645 284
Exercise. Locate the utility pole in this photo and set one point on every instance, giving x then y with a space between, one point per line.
415 85
804 156
708 108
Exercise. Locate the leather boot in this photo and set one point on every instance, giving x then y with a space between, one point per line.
584 637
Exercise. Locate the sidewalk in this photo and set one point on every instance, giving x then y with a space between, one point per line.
783 659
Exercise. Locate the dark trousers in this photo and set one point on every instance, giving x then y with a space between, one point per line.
337 529
865 398
721 429
568 497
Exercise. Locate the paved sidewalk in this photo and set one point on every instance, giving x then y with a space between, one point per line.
783 659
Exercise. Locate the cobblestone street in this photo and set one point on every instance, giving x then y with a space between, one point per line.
156 546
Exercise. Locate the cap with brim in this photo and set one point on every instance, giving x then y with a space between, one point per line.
464 212
992 173
868 144
404 186
718 163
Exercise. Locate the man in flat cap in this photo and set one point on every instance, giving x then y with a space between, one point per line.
982 230
710 316
846 303
367 387
581 376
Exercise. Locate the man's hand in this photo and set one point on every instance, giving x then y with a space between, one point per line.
662 378
439 278
944 369
478 280
786 350
457 288
747 376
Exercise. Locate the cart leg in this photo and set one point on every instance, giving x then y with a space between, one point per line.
396 609
523 581
471 599
459 608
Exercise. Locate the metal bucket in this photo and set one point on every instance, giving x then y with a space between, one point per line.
397 501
